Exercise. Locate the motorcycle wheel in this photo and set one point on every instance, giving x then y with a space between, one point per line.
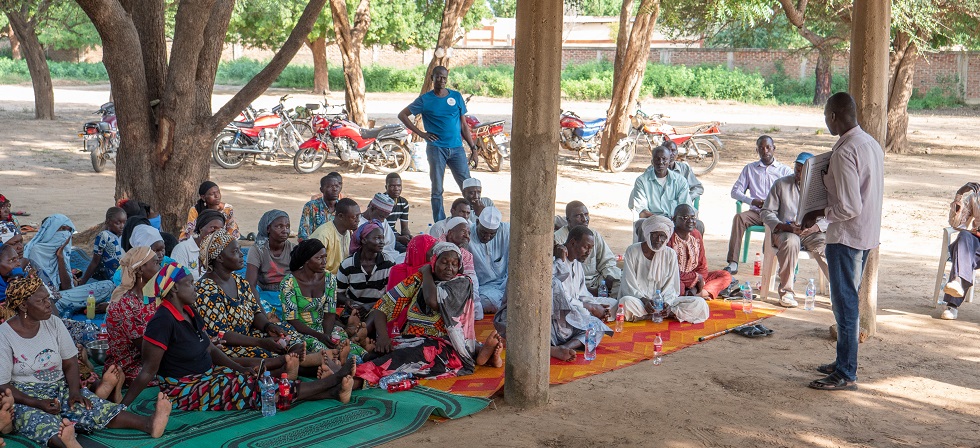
593 155
90 145
399 157
308 160
98 155
289 141
622 155
702 155
492 155
225 159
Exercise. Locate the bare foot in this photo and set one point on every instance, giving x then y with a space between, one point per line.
110 379
563 354
344 347
487 350
67 434
299 350
496 360
346 387
6 412
161 414
369 345
326 369
347 369
312 359
292 366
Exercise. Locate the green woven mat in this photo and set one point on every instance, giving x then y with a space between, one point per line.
371 418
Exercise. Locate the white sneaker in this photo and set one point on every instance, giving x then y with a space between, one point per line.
954 288
950 313
788 300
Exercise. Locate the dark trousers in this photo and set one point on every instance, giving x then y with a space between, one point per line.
964 252
845 267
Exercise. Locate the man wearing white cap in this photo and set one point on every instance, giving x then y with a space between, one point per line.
379 208
491 254
473 192
648 267
458 233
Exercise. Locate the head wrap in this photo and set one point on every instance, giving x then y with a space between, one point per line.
383 202
416 251
20 289
451 223
443 247
212 246
131 223
207 216
303 252
202 190
363 231
42 248
803 157
169 275
472 182
490 218
4 200
8 230
266 221
656 223
144 235
128 264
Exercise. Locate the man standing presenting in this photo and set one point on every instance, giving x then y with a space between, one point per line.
444 116
855 185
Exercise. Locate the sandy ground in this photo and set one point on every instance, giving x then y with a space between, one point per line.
918 376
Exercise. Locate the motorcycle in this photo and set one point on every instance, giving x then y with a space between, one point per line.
256 134
581 136
698 145
385 148
492 143
101 138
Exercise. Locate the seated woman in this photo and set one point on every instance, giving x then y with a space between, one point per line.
416 255
432 312
9 270
145 235
39 364
268 260
107 248
210 200
198 375
309 301
649 266
49 253
188 252
363 277
130 310
227 305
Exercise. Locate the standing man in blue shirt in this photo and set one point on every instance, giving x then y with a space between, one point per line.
443 113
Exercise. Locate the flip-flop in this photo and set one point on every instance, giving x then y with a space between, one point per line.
749 332
765 330
833 382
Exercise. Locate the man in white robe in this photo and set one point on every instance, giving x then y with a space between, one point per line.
491 255
649 266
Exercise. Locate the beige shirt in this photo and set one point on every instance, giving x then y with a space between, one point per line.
601 260
855 183
968 215
782 203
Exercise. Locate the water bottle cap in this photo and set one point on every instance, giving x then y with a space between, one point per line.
284 376
267 373
620 305
91 293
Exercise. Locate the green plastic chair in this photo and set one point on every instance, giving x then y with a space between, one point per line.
748 233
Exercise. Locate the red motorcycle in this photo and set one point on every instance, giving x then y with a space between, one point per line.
385 147
257 134
576 134
492 143
101 138
698 145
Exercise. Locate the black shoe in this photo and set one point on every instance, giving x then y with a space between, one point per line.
729 269
827 369
833 381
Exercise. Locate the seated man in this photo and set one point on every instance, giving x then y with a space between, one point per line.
682 168
964 252
378 209
473 192
778 212
692 260
399 213
459 234
336 233
658 191
320 210
460 208
756 179
600 264
573 307
491 255
649 266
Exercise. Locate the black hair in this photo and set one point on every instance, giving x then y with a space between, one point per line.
842 103
390 177
577 233
201 191
112 212
207 216
764 137
573 205
344 205
459 201
134 208
169 243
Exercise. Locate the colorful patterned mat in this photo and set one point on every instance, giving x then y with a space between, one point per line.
633 345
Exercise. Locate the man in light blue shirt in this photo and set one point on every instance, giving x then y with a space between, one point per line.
658 191
443 113
491 255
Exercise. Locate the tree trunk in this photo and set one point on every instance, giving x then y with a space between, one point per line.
629 79
901 69
824 76
321 76
349 40
622 36
14 43
452 14
37 65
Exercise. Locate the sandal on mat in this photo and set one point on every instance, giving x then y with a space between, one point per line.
833 382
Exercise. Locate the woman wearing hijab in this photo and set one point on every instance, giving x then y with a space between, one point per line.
130 309
145 235
210 200
49 255
649 266
363 276
267 262
416 256
188 252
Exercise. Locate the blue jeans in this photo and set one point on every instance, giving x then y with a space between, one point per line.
845 268
439 158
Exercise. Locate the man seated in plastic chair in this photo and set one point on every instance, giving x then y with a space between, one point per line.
778 212
658 191
964 252
752 187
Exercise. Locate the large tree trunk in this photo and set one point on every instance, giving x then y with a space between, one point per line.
628 80
452 14
824 76
14 43
349 40
321 76
37 65
622 36
901 69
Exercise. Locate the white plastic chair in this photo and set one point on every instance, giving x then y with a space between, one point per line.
769 267
941 280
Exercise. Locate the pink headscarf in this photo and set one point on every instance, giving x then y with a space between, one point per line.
415 258
363 231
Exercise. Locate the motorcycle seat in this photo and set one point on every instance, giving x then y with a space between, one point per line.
597 123
488 123
243 124
374 132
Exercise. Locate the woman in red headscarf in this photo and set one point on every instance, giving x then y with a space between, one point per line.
416 255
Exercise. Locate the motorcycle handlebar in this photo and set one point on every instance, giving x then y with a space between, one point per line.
283 98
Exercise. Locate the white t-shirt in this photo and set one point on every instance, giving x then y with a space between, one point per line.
38 359
188 255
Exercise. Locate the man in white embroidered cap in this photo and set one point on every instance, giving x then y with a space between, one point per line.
491 253
473 192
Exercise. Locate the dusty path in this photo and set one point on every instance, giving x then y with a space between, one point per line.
918 377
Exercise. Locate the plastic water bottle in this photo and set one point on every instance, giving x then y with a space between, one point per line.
89 331
603 289
66 314
285 400
746 297
590 341
268 387
393 378
757 266
658 308
103 333
90 305
811 297
620 318
658 350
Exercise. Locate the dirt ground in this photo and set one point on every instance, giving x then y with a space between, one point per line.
918 377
